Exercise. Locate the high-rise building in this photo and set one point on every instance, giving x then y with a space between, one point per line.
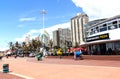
55 38
64 36
61 36
77 29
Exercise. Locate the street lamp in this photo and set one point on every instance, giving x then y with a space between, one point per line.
43 13
44 51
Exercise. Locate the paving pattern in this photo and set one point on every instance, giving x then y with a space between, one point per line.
54 68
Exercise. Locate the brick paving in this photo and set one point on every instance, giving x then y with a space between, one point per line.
54 68
77 62
9 76
94 57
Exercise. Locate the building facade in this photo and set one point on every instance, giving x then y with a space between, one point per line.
77 32
64 36
61 36
55 38
103 36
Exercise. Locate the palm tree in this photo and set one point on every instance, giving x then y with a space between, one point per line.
36 44
16 44
51 43
11 46
24 46
39 44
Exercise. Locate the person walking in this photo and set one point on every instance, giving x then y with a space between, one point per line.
59 53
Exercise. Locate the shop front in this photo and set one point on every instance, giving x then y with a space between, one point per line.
100 45
96 45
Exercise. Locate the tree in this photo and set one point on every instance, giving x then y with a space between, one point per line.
56 47
51 43
16 44
36 44
11 46
24 46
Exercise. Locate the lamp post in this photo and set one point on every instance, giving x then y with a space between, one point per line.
43 12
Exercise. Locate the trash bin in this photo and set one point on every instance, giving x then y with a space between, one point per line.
39 56
5 68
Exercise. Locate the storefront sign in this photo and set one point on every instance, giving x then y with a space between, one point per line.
98 37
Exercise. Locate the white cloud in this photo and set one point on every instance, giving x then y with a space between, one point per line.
97 9
31 33
34 33
4 46
27 19
55 27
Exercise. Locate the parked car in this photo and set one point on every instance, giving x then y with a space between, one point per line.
31 55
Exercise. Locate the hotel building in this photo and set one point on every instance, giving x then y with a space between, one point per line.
77 29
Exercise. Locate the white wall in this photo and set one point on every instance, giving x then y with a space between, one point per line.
113 34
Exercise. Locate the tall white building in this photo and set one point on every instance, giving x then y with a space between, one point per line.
77 29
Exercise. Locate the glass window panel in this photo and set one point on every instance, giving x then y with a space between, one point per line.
97 29
104 28
112 27
115 26
109 23
115 22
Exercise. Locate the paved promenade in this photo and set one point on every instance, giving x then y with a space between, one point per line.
54 68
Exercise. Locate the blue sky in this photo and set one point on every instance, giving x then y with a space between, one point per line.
18 18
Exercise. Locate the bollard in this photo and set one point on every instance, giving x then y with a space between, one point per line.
5 68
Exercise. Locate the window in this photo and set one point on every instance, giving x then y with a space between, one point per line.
88 32
115 22
91 32
112 27
96 29
103 28
115 26
110 23
117 45
119 21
